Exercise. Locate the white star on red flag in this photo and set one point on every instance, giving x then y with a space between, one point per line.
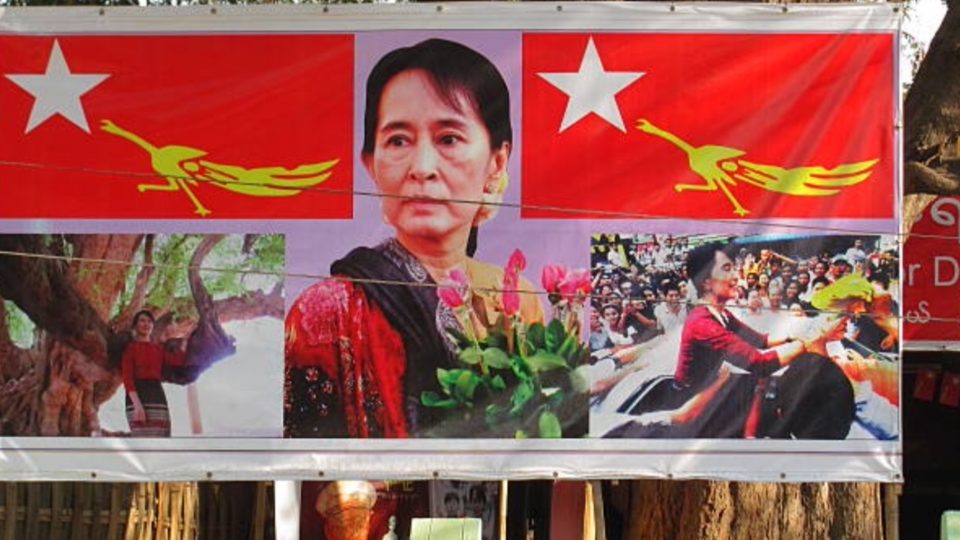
57 91
592 89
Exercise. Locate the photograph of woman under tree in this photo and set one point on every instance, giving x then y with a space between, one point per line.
69 304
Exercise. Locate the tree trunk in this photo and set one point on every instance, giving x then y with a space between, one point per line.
672 510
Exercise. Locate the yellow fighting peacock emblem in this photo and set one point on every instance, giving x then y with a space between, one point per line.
183 168
721 168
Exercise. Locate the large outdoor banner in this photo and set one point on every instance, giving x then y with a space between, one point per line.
471 241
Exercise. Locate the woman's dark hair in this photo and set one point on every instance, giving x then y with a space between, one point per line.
142 313
614 307
457 72
700 262
882 278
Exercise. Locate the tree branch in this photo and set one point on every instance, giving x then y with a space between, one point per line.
125 318
44 291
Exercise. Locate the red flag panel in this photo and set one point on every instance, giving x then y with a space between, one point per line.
245 126
752 126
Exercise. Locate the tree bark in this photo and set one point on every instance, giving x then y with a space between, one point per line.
932 115
672 510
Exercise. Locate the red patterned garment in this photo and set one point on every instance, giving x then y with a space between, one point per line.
345 366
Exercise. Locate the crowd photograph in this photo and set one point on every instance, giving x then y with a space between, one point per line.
718 336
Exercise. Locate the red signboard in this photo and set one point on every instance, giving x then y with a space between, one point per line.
931 272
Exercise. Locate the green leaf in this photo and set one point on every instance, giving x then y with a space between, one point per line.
545 361
497 383
471 356
549 426
555 336
432 399
522 395
495 339
520 434
520 368
536 335
569 347
447 378
466 385
496 358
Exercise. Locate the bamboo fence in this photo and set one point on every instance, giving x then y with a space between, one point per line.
151 511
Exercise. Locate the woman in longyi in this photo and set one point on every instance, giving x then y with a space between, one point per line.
360 351
142 369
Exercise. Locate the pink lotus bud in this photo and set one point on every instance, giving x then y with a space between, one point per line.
577 282
453 291
517 262
552 276
511 302
511 282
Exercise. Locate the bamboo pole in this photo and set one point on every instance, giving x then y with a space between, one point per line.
10 526
56 511
138 513
147 533
113 526
33 508
223 512
190 511
163 510
176 510
79 503
96 512
257 531
891 514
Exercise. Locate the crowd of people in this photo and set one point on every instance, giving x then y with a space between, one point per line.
796 317
643 289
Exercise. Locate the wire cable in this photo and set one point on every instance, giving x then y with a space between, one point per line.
324 277
595 213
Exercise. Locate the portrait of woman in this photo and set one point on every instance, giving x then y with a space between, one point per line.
361 350
142 367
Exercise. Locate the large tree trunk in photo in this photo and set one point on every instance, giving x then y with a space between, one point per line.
70 356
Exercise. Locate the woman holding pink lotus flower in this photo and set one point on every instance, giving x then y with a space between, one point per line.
361 351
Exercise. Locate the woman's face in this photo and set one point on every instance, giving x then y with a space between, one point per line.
723 277
143 326
426 153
